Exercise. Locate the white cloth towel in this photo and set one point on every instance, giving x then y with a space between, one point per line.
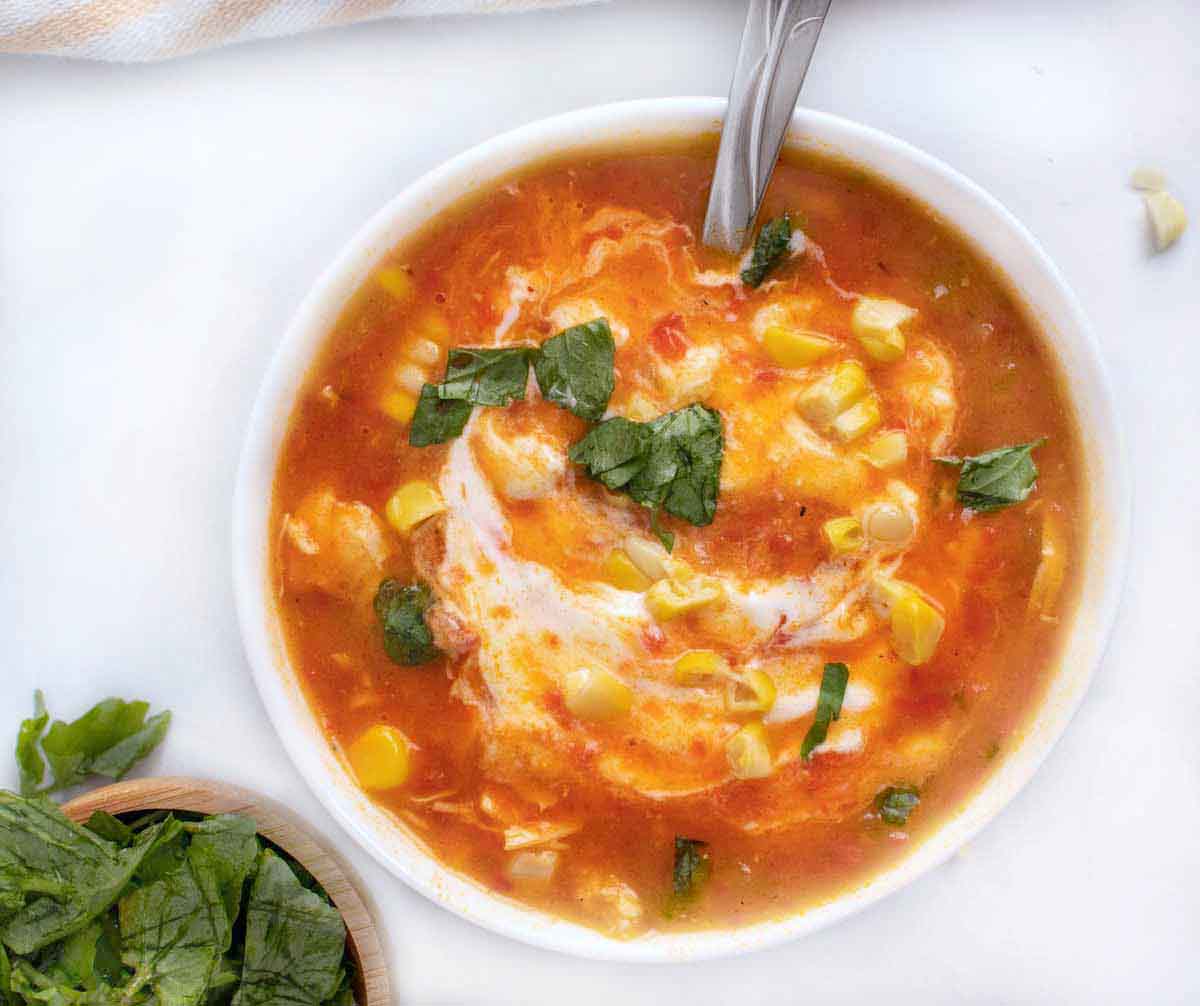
139 30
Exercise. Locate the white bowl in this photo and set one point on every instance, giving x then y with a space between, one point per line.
994 232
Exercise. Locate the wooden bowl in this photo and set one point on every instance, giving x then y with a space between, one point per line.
282 827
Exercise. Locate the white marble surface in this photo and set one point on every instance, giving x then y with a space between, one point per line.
158 225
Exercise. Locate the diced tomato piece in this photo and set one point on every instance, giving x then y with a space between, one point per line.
667 337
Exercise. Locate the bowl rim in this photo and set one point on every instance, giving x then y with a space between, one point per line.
995 234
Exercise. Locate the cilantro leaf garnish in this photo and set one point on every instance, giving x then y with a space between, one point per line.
672 463
486 376
829 706
401 611
769 247
575 369
996 479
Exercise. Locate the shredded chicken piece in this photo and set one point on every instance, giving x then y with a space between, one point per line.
523 836
451 634
338 548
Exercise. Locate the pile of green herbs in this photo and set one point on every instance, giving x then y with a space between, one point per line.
163 908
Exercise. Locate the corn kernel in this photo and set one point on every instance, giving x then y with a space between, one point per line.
425 352
888 523
411 504
844 534
857 421
620 571
752 691
827 398
876 322
887 450
794 347
1048 579
410 378
650 559
399 405
698 666
380 757
671 598
599 695
917 626
1168 218
395 281
749 752
433 326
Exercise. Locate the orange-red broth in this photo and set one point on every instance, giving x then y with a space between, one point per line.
991 665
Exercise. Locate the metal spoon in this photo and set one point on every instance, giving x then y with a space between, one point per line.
777 46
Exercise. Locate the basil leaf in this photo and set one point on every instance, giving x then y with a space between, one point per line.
55 876
829 706
77 954
109 828
30 764
295 941
574 369
436 419
122 756
108 740
692 865
769 248
684 468
997 479
226 847
896 802
613 452
173 931
672 463
485 376
401 611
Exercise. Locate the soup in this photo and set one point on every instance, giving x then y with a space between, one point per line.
661 589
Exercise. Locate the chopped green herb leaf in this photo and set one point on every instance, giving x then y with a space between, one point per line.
111 828
485 376
896 802
295 941
691 872
996 479
662 534
672 463
108 740
29 759
401 611
436 419
769 248
575 369
226 847
174 931
692 865
55 876
613 452
829 706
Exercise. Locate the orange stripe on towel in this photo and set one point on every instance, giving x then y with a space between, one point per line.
75 26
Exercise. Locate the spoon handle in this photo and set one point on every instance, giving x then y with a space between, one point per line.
777 46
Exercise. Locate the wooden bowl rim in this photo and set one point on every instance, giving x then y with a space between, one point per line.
282 826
